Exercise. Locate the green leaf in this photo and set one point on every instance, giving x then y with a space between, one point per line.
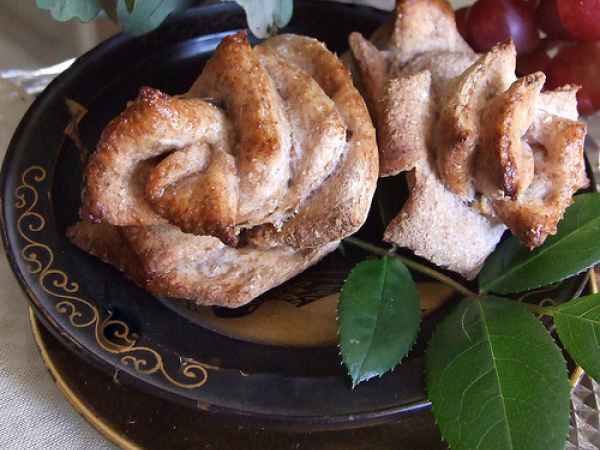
576 247
148 14
496 379
130 5
265 17
84 10
578 326
379 317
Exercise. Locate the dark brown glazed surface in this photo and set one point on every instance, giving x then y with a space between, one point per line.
156 344
153 423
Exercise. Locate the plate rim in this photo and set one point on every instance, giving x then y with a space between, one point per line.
370 417
63 386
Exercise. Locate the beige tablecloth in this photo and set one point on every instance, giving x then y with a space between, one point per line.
33 413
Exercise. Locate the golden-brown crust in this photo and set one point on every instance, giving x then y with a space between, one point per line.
437 225
423 30
173 264
499 152
197 190
202 269
408 105
200 187
560 172
106 242
234 76
293 156
341 204
424 26
459 120
505 162
406 124
151 125
443 66
373 69
561 101
318 131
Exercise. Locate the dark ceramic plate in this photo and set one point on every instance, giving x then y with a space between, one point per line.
267 379
272 363
135 420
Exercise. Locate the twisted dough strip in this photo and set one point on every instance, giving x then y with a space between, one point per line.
483 149
167 262
235 78
525 154
152 125
340 206
292 153
274 140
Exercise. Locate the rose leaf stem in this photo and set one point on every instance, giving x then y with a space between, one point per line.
422 268
432 273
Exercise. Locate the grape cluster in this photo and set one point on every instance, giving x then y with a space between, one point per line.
558 37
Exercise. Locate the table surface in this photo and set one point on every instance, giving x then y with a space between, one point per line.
35 415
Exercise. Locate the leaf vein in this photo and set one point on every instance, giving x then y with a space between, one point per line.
490 428
527 366
371 336
491 348
464 392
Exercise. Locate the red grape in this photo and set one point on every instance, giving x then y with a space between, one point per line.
578 64
549 21
461 16
533 62
581 18
493 21
539 60
533 4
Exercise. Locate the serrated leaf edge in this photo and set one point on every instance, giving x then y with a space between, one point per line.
340 346
427 375
486 288
384 277
558 310
536 286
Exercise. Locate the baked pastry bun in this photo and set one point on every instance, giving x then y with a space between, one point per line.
256 173
483 150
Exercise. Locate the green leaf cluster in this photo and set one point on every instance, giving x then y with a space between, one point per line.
494 375
142 16
265 17
84 10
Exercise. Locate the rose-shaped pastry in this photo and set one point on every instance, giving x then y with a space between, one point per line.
252 176
483 149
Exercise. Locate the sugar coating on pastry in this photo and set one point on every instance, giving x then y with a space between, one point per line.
483 149
169 263
432 210
253 175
